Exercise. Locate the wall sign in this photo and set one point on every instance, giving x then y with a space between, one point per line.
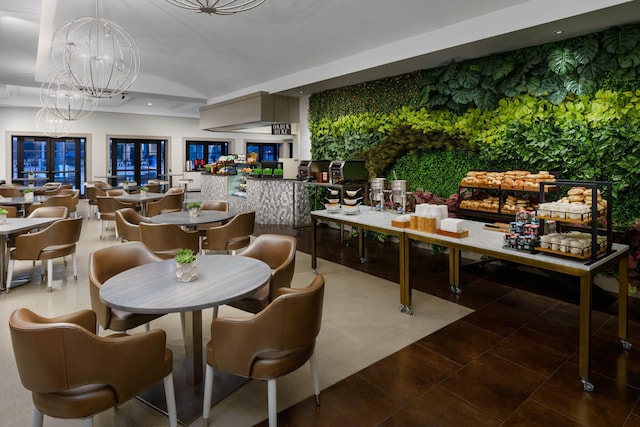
281 129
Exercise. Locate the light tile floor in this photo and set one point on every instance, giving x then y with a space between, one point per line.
361 325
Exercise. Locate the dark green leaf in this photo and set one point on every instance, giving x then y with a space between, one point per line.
562 61
620 40
585 50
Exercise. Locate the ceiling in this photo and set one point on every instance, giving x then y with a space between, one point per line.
189 60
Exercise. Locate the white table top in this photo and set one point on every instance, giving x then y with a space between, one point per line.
138 197
15 225
366 217
153 288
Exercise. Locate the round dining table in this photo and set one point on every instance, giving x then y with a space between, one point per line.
153 288
184 219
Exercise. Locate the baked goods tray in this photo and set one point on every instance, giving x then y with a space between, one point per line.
463 233
583 256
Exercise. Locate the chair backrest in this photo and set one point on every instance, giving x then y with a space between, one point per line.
75 198
107 206
165 240
283 331
116 192
170 202
57 200
175 190
49 212
12 211
279 252
63 232
102 185
153 188
127 223
105 263
235 234
10 192
215 205
93 192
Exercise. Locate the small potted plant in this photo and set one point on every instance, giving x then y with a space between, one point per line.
143 191
194 208
125 184
3 216
257 172
28 193
267 172
186 266
278 173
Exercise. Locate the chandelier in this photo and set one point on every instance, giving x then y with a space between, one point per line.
64 100
218 7
95 56
52 125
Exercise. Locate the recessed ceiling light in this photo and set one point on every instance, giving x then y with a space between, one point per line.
558 32
149 104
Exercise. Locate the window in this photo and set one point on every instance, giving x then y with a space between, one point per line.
266 151
136 160
206 151
49 159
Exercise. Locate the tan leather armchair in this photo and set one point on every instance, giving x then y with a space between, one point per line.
116 192
154 188
73 373
92 195
56 241
104 263
128 224
279 252
50 212
165 240
270 344
12 211
10 192
215 205
75 198
107 207
58 200
235 234
171 202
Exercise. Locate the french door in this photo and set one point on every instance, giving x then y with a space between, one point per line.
136 160
48 159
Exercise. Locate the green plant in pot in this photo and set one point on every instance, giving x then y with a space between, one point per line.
28 193
145 188
278 173
267 172
257 172
186 265
3 216
194 208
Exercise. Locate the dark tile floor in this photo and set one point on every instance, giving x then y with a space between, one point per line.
512 362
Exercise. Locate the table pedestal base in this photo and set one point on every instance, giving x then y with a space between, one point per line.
189 397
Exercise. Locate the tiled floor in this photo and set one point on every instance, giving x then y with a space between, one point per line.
500 354
512 362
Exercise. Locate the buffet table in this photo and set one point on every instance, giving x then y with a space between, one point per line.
489 243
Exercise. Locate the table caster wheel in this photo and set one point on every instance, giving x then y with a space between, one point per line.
406 309
626 344
315 270
588 386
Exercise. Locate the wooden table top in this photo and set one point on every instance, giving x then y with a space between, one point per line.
153 288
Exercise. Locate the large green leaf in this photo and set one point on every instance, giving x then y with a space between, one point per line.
620 40
586 49
468 78
463 96
562 61
581 86
631 59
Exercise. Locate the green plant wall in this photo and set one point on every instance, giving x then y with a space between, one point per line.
571 106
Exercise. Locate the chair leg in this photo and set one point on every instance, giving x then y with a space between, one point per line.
38 418
208 393
101 227
273 404
10 274
50 275
75 266
171 400
314 377
87 422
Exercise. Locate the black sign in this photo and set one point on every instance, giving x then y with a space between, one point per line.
281 129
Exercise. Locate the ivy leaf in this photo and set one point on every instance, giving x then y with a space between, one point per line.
585 50
562 61
620 40
468 79
631 59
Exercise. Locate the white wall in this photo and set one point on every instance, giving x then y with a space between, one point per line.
98 127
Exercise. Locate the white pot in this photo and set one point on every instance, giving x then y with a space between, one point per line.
28 196
3 219
193 212
187 272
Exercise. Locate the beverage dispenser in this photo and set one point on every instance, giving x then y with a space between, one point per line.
376 192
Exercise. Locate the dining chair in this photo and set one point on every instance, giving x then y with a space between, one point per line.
107 207
154 188
56 241
75 198
49 212
279 252
57 200
12 211
171 202
165 240
272 343
104 263
116 192
211 205
128 224
10 192
73 373
92 195
231 236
